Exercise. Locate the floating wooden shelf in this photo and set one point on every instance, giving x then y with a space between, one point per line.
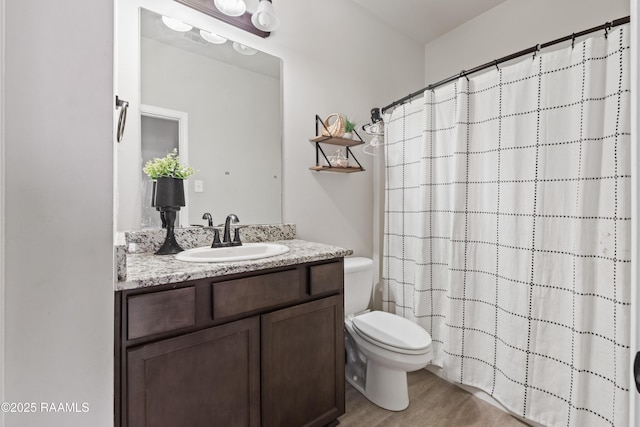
335 140
349 169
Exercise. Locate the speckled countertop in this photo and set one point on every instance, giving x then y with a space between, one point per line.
146 269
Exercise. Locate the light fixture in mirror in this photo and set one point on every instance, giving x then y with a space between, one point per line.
175 24
230 104
231 7
243 49
212 38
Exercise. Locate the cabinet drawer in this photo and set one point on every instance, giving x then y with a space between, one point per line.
326 278
158 312
254 293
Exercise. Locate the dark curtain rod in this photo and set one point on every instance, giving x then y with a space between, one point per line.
495 63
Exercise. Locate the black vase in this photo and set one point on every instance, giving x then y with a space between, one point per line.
168 192
153 204
168 197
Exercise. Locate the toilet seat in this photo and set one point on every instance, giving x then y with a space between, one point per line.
392 332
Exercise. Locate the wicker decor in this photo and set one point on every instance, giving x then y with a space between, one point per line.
334 124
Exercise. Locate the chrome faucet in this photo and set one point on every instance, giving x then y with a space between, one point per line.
226 240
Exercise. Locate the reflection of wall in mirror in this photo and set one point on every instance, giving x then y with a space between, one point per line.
234 130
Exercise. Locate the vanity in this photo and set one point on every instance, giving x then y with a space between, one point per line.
242 343
248 343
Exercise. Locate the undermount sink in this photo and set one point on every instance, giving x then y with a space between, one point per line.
233 253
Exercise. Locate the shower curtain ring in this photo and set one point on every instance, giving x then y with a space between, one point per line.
607 27
495 62
536 50
464 73
573 40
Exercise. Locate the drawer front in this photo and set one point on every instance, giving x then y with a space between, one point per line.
239 296
159 312
326 278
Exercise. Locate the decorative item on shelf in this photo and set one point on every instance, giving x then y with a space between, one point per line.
349 127
333 125
338 159
168 175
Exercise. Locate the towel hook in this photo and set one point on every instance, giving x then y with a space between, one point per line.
122 118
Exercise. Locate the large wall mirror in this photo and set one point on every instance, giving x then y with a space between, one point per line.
219 103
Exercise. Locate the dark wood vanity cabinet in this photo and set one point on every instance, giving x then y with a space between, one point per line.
304 384
174 381
259 349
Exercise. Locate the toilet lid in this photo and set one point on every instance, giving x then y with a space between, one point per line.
390 330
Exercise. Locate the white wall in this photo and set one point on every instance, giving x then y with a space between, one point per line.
336 62
58 274
513 26
333 62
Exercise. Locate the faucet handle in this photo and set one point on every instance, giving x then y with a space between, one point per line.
216 238
236 237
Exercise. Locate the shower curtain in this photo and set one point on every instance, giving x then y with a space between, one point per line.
507 230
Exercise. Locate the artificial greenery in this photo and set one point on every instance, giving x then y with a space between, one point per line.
168 167
349 126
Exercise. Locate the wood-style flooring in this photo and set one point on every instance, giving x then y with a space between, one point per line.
433 402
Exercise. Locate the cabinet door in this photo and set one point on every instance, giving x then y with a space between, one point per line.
207 378
303 364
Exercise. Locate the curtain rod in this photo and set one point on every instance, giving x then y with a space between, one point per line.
495 63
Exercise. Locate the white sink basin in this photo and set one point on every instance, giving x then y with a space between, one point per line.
233 253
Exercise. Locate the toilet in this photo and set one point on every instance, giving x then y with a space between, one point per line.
381 347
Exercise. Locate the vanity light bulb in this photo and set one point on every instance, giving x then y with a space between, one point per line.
231 7
264 19
175 24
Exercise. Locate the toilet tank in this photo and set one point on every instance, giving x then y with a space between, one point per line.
358 283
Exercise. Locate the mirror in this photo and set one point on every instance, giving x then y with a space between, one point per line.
225 102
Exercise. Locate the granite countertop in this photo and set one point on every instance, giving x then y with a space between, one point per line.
146 269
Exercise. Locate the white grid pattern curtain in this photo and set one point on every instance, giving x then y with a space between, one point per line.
507 230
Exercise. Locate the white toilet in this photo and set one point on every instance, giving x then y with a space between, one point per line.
381 347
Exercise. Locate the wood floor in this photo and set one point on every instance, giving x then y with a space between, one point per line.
433 403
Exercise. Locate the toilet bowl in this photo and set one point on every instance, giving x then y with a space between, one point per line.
381 347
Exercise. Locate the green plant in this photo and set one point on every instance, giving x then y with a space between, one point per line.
168 167
349 126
